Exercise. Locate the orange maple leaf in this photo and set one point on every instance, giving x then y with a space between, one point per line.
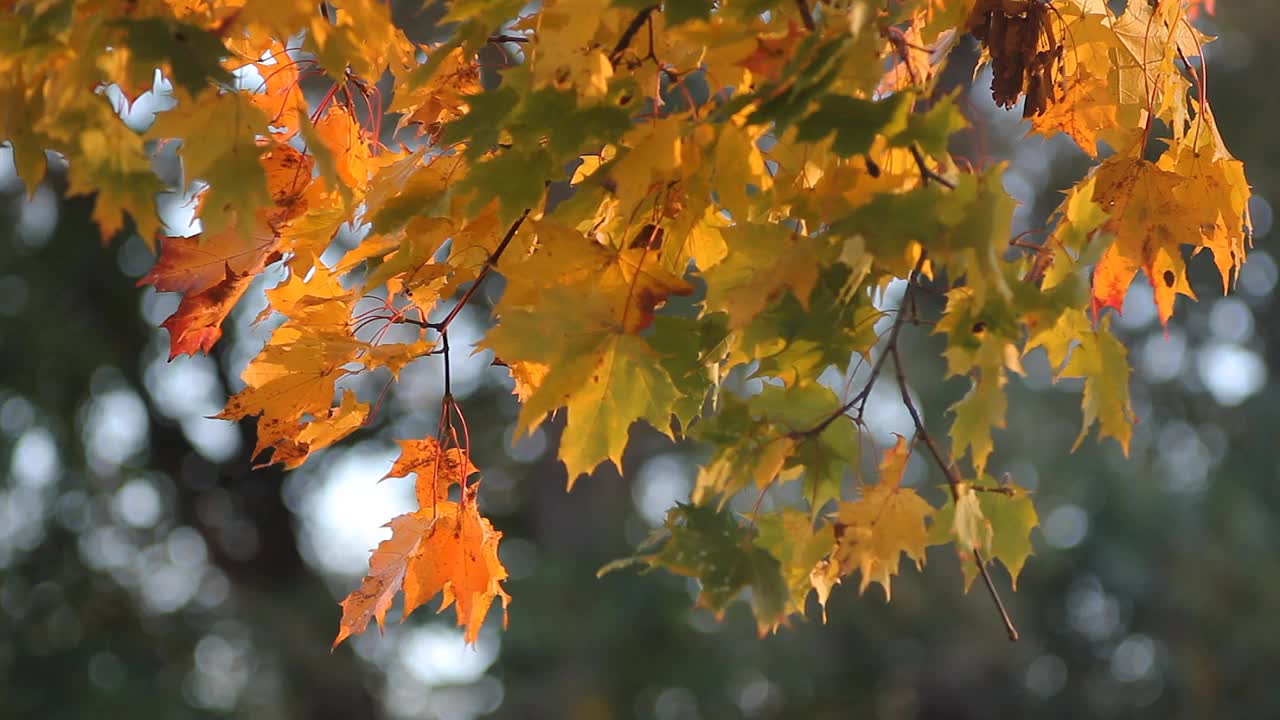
772 53
448 550
1150 226
288 179
293 449
344 137
197 263
213 273
1086 108
280 94
437 471
197 324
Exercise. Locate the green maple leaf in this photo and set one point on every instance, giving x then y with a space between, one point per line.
219 146
932 130
607 379
790 537
192 54
691 351
713 547
855 122
997 523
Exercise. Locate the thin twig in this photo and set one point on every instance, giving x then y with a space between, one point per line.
927 174
448 374
806 15
629 34
860 400
954 482
489 264
508 39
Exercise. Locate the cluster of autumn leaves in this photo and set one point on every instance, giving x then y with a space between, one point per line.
772 166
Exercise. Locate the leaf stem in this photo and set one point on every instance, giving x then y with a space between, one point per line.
448 374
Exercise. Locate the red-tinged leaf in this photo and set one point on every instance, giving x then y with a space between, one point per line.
772 53
197 324
197 263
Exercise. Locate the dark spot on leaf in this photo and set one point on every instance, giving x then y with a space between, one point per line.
979 327
179 36
872 168
1169 278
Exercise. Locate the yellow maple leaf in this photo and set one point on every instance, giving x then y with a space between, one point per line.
874 531
1086 107
1150 226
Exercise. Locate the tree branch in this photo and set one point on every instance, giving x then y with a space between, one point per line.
925 173
954 482
489 264
629 34
860 400
806 15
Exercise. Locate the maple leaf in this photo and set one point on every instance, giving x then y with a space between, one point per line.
1216 195
219 147
197 323
288 174
344 138
994 519
631 282
790 537
197 263
772 53
291 379
279 96
1150 226
437 470
765 261
447 550
1101 360
1086 107
321 432
874 531
443 98
606 378
776 434
712 546
752 451
191 55
213 274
